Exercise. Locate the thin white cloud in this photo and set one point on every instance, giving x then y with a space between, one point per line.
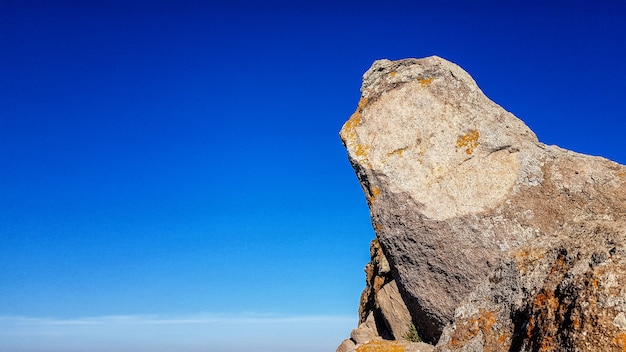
243 318
201 332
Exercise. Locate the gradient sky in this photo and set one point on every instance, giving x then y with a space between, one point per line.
171 176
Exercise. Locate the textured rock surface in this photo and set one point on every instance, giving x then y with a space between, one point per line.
381 300
495 241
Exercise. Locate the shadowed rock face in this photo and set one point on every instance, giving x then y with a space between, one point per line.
494 240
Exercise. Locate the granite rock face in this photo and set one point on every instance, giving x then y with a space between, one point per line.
493 240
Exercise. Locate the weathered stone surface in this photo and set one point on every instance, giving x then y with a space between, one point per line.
508 244
381 300
393 309
366 331
346 346
378 273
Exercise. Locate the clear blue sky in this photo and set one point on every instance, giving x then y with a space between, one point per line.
171 173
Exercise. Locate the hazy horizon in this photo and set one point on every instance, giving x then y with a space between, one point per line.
209 332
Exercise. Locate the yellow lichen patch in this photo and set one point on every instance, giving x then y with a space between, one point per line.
621 174
620 341
350 125
392 73
353 121
381 346
397 152
361 105
469 141
361 150
425 82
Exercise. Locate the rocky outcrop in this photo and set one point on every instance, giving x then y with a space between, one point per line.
382 311
493 240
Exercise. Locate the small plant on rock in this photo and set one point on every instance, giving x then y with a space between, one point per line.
412 334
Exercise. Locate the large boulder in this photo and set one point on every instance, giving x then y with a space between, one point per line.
494 240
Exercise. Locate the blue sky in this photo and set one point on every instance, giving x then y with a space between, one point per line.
172 172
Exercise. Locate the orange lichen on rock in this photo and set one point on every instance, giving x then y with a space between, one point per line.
620 341
548 344
372 194
547 300
545 322
425 82
560 266
469 328
526 259
469 141
502 339
381 346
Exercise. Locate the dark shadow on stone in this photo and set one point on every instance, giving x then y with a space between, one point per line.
382 326
428 327
520 325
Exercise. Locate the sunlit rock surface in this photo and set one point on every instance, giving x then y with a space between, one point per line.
492 240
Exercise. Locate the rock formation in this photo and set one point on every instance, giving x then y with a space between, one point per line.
486 239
